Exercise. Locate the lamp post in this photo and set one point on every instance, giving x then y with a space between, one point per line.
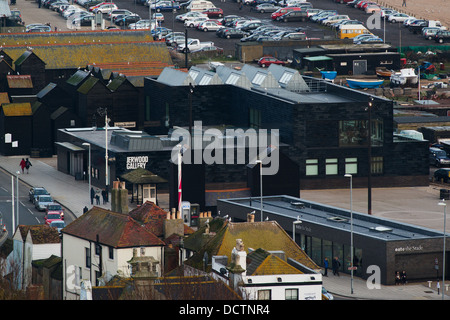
347 175
89 167
369 176
106 151
294 223
17 195
260 186
442 203
12 205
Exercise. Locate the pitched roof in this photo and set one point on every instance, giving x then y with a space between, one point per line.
141 176
4 98
114 229
268 235
40 234
19 81
17 109
262 263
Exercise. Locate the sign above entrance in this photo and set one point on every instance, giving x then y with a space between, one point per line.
137 162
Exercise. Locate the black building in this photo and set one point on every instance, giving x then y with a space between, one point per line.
381 246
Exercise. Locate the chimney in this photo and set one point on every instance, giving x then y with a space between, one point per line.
251 217
173 224
238 265
119 197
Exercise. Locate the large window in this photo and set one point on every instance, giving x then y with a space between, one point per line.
87 252
351 165
331 166
264 295
291 294
312 167
354 133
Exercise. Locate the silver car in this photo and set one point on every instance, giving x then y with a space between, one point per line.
41 202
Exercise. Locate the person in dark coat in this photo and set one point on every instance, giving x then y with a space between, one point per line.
335 266
92 195
28 164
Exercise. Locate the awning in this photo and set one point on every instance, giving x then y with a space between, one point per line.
318 58
70 146
142 176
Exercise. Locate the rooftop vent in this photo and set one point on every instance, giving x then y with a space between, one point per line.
381 229
299 205
337 219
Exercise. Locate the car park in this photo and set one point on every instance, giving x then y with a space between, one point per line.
293 16
92 8
49 218
42 201
312 11
251 25
105 8
16 16
372 8
55 208
165 6
335 18
55 5
442 36
158 17
114 13
267 61
293 36
283 11
442 174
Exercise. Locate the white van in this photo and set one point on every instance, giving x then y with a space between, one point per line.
200 5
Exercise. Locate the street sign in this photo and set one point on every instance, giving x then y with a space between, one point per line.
352 268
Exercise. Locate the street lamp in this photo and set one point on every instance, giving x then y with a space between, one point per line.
89 169
442 203
12 205
347 175
260 186
17 195
294 223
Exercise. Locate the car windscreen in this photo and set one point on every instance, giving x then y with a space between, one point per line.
58 224
45 199
40 191
54 207
53 216
441 153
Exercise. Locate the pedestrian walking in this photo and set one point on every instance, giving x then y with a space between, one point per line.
92 195
403 277
240 5
404 3
28 165
97 199
325 266
104 196
23 164
335 264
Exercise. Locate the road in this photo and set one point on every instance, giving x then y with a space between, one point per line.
28 214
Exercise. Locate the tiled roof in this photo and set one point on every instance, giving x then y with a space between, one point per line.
40 234
262 263
19 81
17 109
4 98
268 235
114 229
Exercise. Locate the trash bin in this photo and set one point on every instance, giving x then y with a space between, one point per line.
445 194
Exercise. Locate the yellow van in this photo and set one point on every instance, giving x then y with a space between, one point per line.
352 30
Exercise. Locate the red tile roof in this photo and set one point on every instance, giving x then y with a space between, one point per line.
114 229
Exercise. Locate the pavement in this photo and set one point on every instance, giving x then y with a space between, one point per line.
74 196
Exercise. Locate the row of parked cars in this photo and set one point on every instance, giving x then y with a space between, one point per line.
43 201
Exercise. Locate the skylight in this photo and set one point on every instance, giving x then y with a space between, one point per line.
259 78
286 77
232 79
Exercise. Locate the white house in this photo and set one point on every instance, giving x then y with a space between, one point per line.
31 243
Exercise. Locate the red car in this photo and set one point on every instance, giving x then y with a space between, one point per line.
52 217
267 61
214 13
55 208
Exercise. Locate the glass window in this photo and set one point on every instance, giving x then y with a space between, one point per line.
377 165
339 253
264 294
352 133
111 253
291 294
87 252
351 165
312 167
331 166
327 250
316 250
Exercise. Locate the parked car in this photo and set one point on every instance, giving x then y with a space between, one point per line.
158 16
209 26
292 36
55 208
114 13
266 7
126 20
293 16
267 61
194 22
251 25
105 8
232 33
213 12
372 8
92 8
191 14
35 192
328 295
16 16
165 6
429 33
439 157
141 24
42 201
442 36
83 21
49 218
443 173
41 28
227 21
398 17
58 224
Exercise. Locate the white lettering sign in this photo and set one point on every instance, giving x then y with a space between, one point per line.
409 249
137 162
